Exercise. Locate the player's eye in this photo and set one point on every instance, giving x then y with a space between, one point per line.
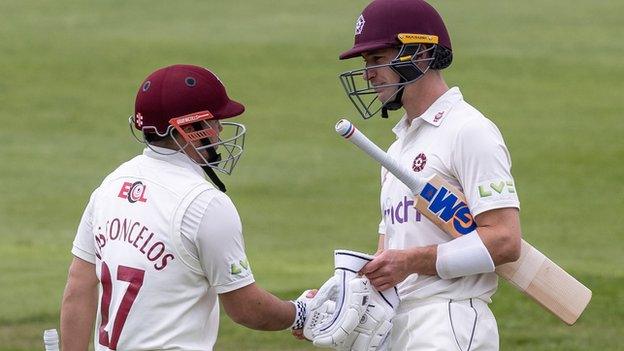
379 59
373 61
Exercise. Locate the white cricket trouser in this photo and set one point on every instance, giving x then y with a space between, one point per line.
444 325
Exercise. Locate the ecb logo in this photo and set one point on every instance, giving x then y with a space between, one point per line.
133 192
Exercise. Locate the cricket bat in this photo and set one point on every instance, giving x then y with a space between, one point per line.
533 273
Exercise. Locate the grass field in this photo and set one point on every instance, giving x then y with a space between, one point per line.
549 74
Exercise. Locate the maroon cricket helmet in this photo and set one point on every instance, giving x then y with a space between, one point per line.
382 20
180 90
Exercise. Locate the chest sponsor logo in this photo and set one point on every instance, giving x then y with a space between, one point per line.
499 187
133 192
401 212
419 162
448 207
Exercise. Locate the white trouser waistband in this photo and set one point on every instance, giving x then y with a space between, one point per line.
408 305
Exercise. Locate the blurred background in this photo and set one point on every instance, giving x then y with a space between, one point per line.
549 74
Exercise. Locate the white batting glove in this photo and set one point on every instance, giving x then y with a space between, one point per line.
373 330
336 310
341 302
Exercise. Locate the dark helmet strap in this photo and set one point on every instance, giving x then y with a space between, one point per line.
407 71
214 178
213 156
396 102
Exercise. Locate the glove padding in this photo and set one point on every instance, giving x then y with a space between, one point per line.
336 309
373 329
348 313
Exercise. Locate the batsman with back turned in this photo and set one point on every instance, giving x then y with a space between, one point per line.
159 246
444 284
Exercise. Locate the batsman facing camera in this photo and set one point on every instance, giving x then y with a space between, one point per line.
414 28
158 246
446 157
405 47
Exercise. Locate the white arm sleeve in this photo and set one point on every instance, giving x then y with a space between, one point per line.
219 242
84 244
483 167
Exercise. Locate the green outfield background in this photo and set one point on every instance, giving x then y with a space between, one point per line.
548 73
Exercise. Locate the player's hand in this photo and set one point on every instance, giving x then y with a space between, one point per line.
388 269
298 333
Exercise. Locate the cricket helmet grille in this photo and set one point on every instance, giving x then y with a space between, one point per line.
413 27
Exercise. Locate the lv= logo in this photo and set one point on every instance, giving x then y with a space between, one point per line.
239 267
486 190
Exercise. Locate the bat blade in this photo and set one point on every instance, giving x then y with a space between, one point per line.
547 284
533 274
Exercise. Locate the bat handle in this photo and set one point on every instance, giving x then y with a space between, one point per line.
347 130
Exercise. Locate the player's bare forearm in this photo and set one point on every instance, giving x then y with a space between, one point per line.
500 232
258 309
79 306
498 229
422 260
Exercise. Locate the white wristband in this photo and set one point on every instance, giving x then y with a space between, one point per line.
466 255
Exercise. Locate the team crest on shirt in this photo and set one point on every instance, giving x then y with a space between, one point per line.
359 25
419 162
438 117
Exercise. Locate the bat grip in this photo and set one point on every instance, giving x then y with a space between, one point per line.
347 130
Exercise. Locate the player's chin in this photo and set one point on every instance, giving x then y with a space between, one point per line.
385 94
202 154
198 156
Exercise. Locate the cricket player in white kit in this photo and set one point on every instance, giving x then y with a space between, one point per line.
445 284
157 242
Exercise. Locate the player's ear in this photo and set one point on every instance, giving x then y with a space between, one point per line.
426 52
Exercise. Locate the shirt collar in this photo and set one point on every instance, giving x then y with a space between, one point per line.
402 127
434 115
177 158
437 112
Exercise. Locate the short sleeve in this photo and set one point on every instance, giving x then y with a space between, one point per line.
84 245
483 167
221 247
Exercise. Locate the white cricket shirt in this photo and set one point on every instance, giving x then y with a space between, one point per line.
164 243
454 140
